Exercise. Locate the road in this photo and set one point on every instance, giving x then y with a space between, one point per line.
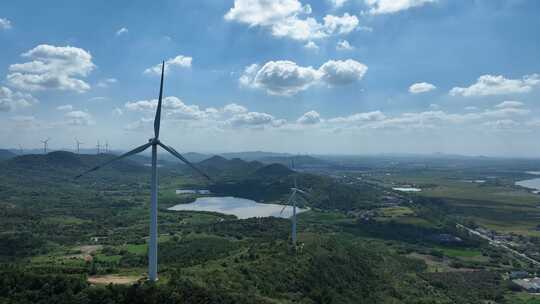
499 244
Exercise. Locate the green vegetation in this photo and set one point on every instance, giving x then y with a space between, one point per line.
360 243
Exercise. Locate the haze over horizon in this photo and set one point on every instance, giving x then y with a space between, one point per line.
316 77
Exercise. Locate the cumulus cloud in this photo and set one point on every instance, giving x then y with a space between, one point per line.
52 67
311 45
510 104
309 118
10 100
66 107
122 31
172 106
287 78
5 24
421 87
117 112
342 72
344 45
289 18
377 7
234 108
337 3
280 77
179 61
105 83
498 85
78 118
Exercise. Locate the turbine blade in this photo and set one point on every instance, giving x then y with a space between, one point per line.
288 202
182 158
301 191
134 151
282 209
157 120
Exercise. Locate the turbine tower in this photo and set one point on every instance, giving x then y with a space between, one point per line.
154 143
98 147
107 146
45 145
292 199
78 145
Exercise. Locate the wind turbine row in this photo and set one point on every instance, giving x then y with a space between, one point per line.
153 143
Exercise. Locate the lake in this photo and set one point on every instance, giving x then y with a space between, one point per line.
192 191
407 189
240 207
531 184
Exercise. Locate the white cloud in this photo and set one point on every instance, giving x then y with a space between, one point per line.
502 124
309 118
311 45
510 104
52 67
173 108
344 45
287 78
360 117
393 6
5 24
471 108
179 61
342 72
105 83
498 85
66 107
79 118
280 77
122 31
289 18
117 111
251 118
10 100
421 87
337 3
234 108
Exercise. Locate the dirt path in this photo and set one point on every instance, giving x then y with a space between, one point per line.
113 279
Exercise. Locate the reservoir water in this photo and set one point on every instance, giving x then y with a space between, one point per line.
407 189
533 183
240 207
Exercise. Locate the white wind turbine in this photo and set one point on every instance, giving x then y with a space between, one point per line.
45 145
154 143
292 199
78 145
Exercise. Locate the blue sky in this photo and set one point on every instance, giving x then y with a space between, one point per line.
329 76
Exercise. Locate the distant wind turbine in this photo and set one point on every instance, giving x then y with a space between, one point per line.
292 199
45 145
21 151
107 146
154 143
98 147
78 145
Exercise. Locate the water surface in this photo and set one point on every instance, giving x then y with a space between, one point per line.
407 189
240 207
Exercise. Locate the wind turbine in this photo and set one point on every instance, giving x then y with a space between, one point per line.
45 145
154 143
21 150
98 147
78 145
107 146
292 199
